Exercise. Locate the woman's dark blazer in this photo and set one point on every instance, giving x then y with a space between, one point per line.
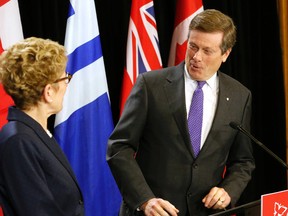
35 176
154 126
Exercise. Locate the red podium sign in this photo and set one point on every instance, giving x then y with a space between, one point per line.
275 204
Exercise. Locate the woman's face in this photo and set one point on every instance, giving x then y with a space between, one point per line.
60 90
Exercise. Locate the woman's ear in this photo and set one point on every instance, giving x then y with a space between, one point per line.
48 93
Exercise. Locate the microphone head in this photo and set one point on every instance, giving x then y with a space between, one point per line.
235 125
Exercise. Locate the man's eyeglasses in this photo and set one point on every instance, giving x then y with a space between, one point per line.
67 78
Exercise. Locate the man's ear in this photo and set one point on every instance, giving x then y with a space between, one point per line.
48 93
225 55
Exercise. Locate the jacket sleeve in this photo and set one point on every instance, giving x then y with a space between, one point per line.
123 145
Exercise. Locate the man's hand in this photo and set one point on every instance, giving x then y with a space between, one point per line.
159 207
217 198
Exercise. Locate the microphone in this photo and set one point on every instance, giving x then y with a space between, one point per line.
239 127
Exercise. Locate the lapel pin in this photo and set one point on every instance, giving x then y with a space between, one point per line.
227 99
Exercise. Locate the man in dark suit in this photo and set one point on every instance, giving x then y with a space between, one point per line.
150 152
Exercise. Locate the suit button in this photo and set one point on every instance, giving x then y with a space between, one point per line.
195 166
189 194
80 202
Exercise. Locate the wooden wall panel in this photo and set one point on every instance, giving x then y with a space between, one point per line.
283 18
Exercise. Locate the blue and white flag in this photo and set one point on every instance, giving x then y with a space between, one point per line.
84 125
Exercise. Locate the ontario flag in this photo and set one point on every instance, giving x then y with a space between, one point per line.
10 33
85 123
185 11
142 52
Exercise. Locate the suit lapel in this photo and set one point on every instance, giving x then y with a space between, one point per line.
223 108
175 92
50 143
54 147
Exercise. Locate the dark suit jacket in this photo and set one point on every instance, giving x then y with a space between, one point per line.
154 124
35 176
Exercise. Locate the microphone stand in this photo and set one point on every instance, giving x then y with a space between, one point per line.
253 206
240 128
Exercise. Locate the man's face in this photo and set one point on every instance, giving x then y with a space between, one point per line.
203 55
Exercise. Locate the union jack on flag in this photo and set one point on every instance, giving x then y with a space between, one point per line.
142 52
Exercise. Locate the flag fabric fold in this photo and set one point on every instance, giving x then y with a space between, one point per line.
10 33
185 11
85 123
142 51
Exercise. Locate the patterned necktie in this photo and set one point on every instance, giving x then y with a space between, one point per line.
195 118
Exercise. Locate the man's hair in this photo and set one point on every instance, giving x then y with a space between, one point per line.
212 20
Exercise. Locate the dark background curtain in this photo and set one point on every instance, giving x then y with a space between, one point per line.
255 61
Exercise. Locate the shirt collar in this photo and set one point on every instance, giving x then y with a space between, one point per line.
212 82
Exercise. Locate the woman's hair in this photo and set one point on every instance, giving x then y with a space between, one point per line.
28 66
212 20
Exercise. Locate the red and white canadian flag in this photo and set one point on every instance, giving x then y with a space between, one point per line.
185 11
10 33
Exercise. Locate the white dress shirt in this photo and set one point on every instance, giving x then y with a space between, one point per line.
210 92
